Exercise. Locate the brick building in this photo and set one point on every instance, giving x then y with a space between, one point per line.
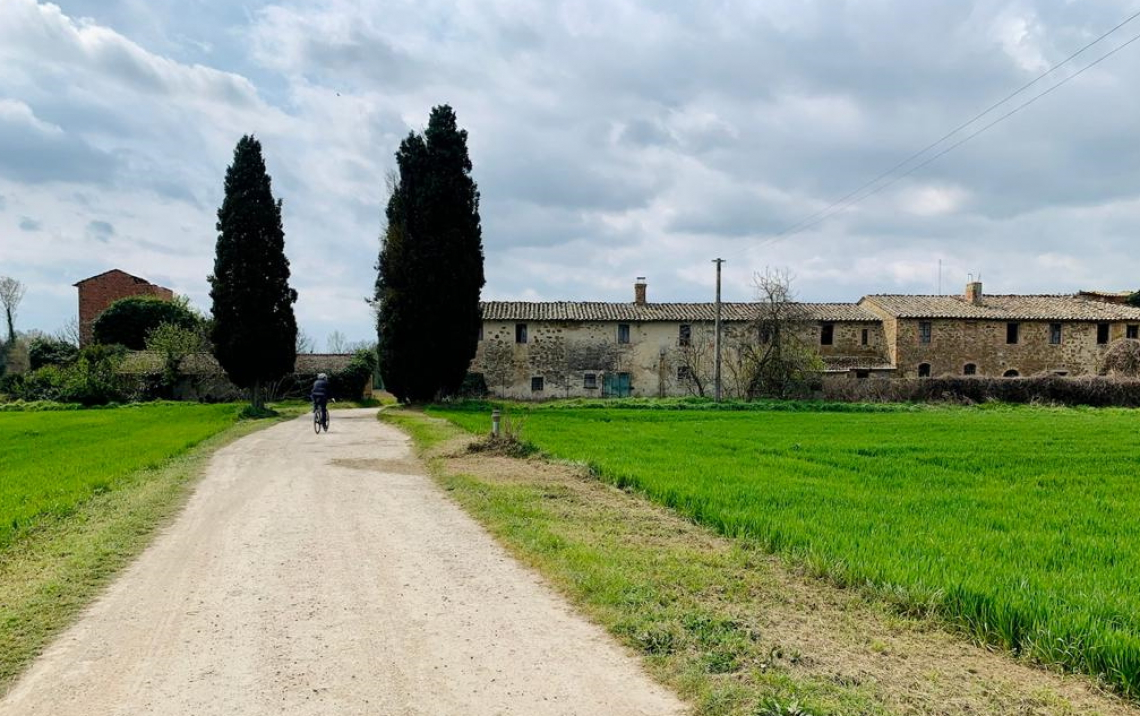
98 292
568 349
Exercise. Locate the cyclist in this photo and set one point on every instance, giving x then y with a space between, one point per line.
320 395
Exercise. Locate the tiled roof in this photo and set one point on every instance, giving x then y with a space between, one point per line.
678 312
136 279
1008 308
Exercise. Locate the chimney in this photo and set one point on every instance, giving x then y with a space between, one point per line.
974 292
639 291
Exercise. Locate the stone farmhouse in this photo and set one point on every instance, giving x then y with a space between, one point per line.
98 292
533 350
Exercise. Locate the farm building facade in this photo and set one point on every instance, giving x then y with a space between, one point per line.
534 350
98 292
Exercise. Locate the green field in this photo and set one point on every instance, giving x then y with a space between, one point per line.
52 461
1018 525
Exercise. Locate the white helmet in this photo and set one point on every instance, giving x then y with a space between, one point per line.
322 376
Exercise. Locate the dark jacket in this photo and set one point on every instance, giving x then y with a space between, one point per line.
320 389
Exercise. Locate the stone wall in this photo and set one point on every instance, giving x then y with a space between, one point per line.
956 342
564 353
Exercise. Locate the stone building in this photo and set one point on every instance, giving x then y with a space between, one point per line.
535 350
98 292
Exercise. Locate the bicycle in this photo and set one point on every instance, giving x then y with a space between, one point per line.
320 418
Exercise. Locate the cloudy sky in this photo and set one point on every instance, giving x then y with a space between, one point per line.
610 139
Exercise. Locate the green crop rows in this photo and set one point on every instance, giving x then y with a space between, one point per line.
52 461
1019 525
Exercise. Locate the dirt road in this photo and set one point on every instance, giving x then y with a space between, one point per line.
328 575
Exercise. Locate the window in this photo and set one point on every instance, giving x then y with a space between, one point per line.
924 331
623 333
1011 373
1132 332
827 334
480 331
1054 334
1101 333
590 380
684 372
684 334
1011 332
866 337
923 370
970 369
536 384
765 334
862 374
520 333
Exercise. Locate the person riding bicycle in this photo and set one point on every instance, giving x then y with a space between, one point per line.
321 393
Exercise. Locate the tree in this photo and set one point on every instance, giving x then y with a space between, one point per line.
128 321
254 332
430 271
780 363
336 343
45 350
1122 359
175 342
1134 299
304 343
11 293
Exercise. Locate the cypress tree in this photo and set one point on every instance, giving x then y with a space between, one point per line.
430 271
254 331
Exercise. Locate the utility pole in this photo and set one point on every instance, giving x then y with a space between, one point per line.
716 379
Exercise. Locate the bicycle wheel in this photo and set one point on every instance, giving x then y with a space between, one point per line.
317 421
326 425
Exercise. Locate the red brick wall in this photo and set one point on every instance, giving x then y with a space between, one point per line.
99 292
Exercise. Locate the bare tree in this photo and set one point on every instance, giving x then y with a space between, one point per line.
1122 360
69 331
695 360
11 293
305 343
780 362
337 343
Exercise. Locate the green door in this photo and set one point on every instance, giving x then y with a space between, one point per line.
617 385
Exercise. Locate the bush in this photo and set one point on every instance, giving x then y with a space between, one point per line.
127 322
347 384
50 351
474 386
1123 358
92 379
1051 389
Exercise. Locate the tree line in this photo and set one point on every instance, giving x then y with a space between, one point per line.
426 294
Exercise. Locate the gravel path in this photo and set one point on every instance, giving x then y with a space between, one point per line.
327 575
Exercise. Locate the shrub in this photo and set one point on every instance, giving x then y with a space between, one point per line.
92 379
46 351
127 322
1052 389
1123 358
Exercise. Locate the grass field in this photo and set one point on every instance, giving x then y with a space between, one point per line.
1019 525
53 461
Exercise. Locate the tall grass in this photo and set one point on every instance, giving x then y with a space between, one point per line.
1020 525
52 461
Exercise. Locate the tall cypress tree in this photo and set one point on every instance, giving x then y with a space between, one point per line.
254 331
431 265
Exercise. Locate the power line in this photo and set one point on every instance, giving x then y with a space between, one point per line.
947 150
849 199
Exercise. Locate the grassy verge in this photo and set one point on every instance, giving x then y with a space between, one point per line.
662 586
49 573
1018 525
